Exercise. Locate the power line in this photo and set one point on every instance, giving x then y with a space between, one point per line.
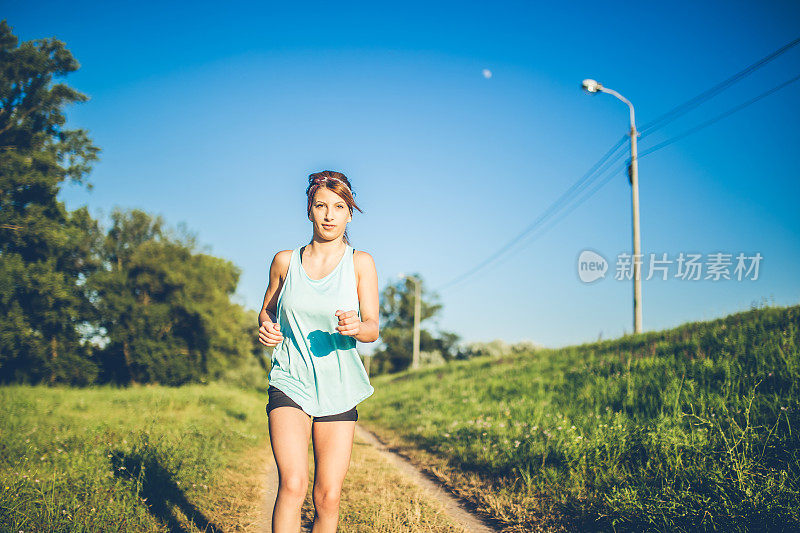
565 213
650 127
687 106
585 181
575 188
719 117
598 169
655 148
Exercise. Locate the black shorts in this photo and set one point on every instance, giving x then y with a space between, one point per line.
277 398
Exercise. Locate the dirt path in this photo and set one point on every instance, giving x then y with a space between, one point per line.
455 511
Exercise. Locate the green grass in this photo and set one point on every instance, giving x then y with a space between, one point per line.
106 459
694 428
181 459
690 429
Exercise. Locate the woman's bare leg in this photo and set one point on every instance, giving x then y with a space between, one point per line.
289 431
333 444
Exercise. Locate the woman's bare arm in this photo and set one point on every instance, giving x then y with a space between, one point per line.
369 330
277 274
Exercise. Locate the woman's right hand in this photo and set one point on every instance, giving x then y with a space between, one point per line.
269 334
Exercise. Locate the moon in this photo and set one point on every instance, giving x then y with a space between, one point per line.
486 73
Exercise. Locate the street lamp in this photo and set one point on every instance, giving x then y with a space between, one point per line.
633 176
417 312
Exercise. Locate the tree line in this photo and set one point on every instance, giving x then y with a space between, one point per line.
135 302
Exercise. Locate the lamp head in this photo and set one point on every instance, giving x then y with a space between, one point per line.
591 86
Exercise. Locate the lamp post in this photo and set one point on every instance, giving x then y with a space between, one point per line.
417 312
633 175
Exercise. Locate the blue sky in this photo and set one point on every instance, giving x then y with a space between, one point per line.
214 115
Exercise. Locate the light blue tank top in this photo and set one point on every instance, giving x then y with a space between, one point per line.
314 364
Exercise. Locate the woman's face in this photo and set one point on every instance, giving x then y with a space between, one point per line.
329 213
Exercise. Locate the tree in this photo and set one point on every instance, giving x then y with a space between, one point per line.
165 308
138 304
44 250
397 326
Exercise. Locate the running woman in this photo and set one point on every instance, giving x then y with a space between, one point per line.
320 299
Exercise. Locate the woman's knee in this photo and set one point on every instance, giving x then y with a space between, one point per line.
327 499
294 486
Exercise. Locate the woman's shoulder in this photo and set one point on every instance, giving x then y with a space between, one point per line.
361 255
363 260
281 261
283 255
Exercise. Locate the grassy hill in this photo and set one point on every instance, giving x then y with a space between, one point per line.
140 459
692 428
185 459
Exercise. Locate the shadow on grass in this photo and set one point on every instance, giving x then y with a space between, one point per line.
156 480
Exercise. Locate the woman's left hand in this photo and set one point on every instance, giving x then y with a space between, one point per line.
349 324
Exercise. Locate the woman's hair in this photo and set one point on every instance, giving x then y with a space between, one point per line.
336 182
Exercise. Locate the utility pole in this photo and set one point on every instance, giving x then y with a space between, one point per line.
637 245
417 313
633 176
